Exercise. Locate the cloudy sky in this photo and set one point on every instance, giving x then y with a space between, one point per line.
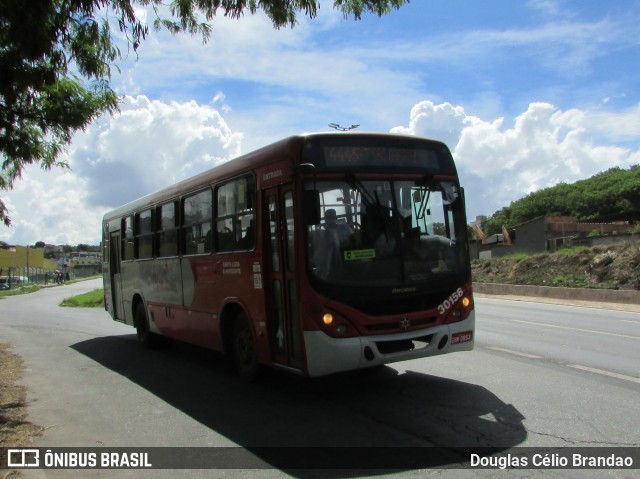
526 94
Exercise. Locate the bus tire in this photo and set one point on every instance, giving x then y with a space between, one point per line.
145 337
245 356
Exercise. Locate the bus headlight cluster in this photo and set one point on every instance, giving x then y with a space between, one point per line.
334 324
461 309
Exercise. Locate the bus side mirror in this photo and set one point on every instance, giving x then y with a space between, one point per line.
311 207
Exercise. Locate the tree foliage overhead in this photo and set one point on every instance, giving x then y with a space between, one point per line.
56 58
608 196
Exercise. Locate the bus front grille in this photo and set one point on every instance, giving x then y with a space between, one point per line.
398 325
390 347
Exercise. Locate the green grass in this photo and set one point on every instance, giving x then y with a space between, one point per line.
92 299
19 289
572 251
517 256
570 281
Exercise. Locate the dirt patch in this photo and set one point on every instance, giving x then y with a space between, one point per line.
608 267
15 430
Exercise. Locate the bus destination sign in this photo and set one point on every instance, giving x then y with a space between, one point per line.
350 156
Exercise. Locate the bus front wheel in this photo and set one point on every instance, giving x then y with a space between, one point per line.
244 349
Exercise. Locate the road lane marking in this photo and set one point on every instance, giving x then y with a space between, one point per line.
576 329
517 353
605 373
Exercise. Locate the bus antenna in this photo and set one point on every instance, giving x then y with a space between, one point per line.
335 126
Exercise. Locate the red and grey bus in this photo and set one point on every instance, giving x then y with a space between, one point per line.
317 254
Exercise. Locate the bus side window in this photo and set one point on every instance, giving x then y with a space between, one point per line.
196 227
144 234
127 238
167 232
235 215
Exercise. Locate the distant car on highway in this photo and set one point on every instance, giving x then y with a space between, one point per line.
7 281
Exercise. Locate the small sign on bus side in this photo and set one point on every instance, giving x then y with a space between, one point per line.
274 175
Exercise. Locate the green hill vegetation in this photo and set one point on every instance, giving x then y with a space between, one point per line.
612 195
21 256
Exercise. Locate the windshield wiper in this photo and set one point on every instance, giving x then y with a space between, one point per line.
372 202
354 183
430 185
423 205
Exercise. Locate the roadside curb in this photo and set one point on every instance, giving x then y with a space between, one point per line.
622 300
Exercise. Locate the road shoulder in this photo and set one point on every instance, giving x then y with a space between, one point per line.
632 308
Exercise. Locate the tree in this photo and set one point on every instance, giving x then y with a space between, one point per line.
56 57
607 196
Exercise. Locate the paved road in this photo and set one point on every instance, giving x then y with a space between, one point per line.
597 340
541 375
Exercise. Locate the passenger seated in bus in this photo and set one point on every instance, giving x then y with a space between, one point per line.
208 241
224 238
248 240
342 231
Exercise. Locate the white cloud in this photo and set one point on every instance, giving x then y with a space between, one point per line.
443 122
614 126
51 206
273 83
152 144
564 46
549 7
304 70
147 146
544 146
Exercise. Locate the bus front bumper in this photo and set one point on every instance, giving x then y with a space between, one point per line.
327 355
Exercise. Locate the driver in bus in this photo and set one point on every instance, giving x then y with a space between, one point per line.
337 237
343 231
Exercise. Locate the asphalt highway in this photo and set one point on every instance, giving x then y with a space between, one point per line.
542 375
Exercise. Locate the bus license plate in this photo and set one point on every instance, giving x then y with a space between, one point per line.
462 337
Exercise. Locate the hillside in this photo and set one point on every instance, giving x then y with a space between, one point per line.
18 257
608 196
609 267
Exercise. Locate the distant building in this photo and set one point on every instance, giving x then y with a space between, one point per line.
549 233
81 263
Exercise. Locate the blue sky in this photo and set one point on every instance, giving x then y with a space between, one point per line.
525 93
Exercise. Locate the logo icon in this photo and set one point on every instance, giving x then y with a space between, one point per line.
23 457
405 323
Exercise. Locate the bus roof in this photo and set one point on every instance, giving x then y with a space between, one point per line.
288 147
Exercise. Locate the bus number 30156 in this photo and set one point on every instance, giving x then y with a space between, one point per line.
450 301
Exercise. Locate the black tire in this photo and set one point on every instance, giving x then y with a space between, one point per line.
245 356
145 337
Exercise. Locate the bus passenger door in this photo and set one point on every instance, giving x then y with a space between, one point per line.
114 276
281 286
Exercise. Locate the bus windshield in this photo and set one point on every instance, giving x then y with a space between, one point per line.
386 233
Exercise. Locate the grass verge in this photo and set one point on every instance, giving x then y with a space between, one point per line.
92 299
15 430
15 290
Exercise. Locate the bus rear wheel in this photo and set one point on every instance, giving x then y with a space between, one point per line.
145 337
244 349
